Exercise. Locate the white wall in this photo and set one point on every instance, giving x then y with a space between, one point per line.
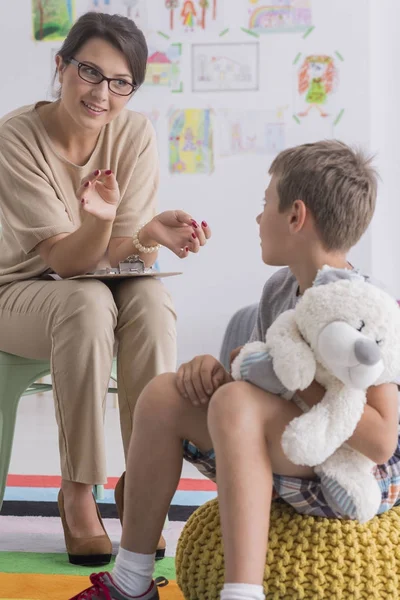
228 273
385 130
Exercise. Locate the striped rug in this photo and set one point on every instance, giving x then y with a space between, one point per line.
33 563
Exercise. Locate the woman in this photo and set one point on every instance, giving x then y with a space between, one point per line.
78 179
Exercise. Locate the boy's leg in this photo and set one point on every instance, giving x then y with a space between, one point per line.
246 426
162 420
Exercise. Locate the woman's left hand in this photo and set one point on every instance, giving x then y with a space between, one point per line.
177 231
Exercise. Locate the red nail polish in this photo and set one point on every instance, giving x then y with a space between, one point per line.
86 184
194 236
97 172
195 225
187 249
83 201
204 224
108 172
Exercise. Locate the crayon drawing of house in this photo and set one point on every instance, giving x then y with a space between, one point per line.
163 67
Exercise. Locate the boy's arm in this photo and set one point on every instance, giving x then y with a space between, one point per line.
377 431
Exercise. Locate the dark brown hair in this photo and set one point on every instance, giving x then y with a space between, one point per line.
120 32
336 183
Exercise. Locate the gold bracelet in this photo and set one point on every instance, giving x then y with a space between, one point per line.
139 246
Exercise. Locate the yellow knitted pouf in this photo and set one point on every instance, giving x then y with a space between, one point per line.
308 558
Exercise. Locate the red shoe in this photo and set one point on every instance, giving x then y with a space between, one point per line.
104 588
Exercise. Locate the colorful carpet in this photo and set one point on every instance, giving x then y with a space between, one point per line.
33 563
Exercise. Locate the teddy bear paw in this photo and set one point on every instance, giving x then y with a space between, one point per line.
298 375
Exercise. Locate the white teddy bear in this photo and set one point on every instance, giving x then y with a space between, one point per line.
345 334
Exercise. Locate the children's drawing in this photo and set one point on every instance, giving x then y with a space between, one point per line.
191 16
225 67
250 132
131 6
171 5
204 5
52 19
164 67
281 16
191 141
103 6
133 9
317 81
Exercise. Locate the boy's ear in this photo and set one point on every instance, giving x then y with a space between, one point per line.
298 215
331 274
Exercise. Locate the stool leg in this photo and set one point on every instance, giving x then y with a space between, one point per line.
8 415
98 491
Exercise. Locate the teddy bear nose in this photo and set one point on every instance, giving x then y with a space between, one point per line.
367 352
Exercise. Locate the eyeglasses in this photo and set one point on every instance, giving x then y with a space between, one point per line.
92 75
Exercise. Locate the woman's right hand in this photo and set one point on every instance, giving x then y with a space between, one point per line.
99 195
198 379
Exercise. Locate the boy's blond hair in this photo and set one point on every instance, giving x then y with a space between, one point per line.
336 183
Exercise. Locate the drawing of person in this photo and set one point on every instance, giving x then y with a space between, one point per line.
318 77
188 13
189 140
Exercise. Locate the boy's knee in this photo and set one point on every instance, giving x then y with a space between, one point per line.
229 407
159 394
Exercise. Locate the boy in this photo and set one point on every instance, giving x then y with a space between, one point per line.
319 202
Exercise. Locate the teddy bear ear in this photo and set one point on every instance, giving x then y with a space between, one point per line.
331 275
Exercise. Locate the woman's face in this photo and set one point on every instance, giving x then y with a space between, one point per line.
93 105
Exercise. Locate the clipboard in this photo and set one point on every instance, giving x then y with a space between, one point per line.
133 266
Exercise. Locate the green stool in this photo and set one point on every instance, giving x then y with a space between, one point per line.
17 378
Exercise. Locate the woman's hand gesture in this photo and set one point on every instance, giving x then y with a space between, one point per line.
99 195
177 231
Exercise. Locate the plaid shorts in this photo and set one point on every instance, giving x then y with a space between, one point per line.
304 495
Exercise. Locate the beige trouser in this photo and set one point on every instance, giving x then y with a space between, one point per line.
75 324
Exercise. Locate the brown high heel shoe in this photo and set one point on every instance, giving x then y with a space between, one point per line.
119 501
87 552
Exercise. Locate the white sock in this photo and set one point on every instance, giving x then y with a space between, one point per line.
242 591
133 572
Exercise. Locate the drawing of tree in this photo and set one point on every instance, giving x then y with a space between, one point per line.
130 4
204 4
171 5
39 8
214 9
52 19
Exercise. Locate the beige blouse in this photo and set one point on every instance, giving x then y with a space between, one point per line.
38 185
